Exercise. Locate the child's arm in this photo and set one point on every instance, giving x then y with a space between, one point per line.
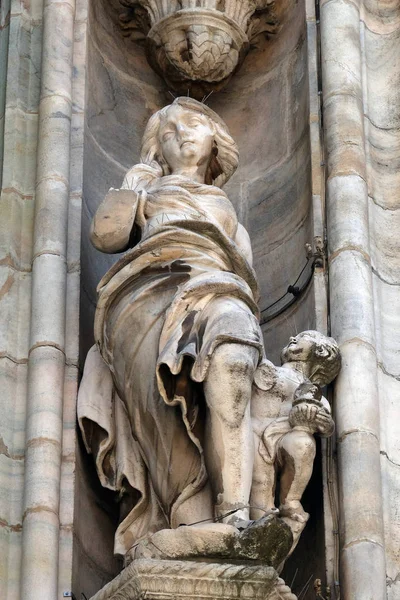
323 419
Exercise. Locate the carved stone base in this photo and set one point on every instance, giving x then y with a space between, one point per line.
190 580
268 541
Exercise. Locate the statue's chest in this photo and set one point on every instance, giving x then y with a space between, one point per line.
173 204
277 401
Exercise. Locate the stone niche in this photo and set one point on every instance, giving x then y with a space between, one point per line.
266 107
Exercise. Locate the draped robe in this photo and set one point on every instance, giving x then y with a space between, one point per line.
162 309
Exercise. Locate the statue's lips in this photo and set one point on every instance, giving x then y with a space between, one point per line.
187 142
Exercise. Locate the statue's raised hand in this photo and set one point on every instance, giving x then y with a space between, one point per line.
113 222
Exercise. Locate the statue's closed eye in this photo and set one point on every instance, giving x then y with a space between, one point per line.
194 123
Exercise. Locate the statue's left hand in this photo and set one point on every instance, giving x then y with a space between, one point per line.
113 222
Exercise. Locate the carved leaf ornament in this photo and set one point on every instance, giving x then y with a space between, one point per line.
196 45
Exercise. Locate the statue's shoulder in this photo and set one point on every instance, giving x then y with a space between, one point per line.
274 384
140 177
265 376
289 378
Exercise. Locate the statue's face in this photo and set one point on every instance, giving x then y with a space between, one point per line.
299 348
186 138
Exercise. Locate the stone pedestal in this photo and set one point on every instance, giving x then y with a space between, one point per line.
189 580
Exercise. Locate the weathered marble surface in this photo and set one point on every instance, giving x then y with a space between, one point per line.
287 409
266 541
271 189
272 91
281 70
160 579
189 332
39 274
19 117
361 114
176 326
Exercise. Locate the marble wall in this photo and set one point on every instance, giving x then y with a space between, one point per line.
19 99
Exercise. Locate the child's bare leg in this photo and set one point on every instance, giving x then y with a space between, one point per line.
297 453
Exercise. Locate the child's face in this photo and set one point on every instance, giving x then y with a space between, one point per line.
299 348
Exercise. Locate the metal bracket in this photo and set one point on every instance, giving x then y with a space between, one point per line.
318 591
318 252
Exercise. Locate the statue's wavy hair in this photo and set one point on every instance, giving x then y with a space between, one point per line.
225 157
327 359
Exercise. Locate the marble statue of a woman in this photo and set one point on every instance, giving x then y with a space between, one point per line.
164 403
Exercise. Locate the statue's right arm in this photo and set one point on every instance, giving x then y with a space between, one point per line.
113 222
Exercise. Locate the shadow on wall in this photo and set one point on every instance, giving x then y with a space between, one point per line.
307 562
266 108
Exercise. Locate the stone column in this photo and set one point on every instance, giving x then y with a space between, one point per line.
22 32
39 291
46 364
380 38
5 12
320 287
352 305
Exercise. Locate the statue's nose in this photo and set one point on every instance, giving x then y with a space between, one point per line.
182 130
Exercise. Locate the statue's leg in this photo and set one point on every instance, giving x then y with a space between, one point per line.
297 453
229 445
262 497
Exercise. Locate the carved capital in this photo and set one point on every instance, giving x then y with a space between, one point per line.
197 45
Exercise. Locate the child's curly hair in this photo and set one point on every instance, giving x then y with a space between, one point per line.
326 360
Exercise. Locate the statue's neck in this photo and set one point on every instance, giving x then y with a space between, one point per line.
301 367
196 173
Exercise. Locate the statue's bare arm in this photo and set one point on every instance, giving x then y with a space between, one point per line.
113 222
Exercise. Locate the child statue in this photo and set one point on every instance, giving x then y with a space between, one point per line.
287 410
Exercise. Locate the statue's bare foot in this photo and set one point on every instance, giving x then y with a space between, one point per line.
237 519
240 518
187 542
294 510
